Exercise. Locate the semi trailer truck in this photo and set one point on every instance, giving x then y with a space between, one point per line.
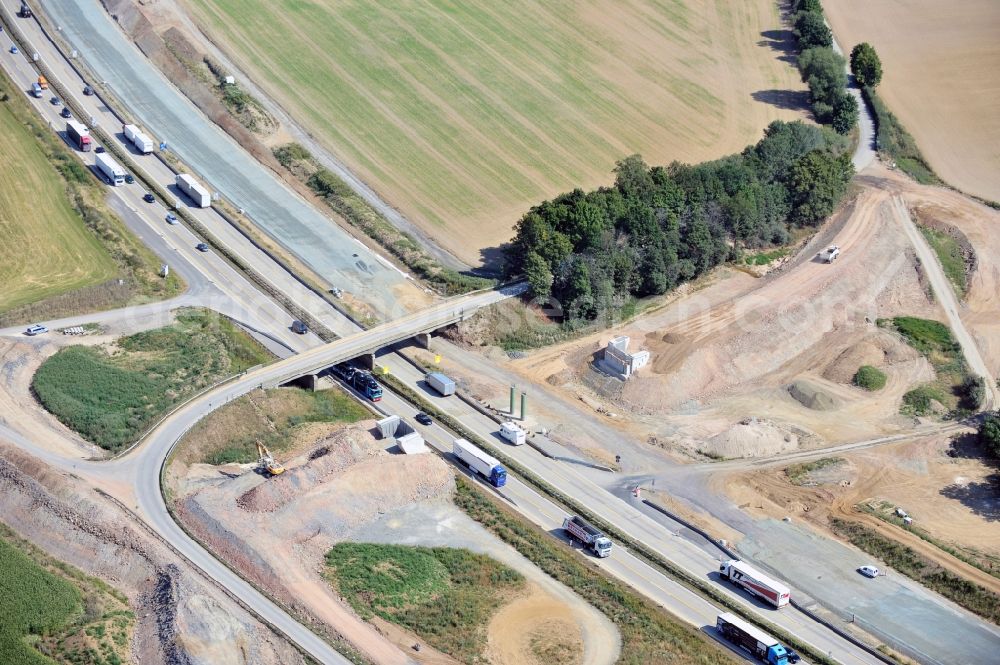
590 536
481 463
756 582
79 136
142 143
440 383
109 168
195 192
754 641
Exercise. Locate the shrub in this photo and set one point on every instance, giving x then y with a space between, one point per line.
989 433
811 30
865 65
918 402
870 378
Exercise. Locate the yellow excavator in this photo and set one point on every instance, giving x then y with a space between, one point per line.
267 464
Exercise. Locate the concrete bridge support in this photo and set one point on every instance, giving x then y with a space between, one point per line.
367 361
423 340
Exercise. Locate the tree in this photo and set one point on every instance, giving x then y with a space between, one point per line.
989 433
824 71
818 182
807 6
811 30
539 275
632 178
845 113
866 65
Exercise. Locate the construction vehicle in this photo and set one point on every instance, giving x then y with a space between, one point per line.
590 536
267 464
755 582
754 641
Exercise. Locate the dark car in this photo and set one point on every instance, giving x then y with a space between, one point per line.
55 101
87 90
148 198
201 247
129 178
99 148
423 419
65 113
299 327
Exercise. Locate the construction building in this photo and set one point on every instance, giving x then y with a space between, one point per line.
618 360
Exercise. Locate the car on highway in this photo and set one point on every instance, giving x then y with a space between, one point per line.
65 113
868 571
55 101
201 247
171 218
148 198
35 329
99 148
299 327
423 419
87 90
13 49
129 178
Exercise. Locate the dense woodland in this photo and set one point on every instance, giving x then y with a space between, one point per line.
661 226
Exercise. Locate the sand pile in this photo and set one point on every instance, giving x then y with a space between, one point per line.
813 397
750 438
879 349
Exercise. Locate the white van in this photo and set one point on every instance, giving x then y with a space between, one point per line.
36 89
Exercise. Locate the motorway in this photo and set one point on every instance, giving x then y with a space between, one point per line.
144 466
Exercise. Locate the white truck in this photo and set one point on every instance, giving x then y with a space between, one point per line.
142 143
513 433
195 192
481 463
756 582
440 383
109 168
591 537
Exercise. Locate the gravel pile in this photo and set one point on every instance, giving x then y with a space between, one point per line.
751 438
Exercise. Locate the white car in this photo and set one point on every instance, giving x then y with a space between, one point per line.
868 571
36 329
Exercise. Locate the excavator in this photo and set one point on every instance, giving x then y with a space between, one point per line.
267 464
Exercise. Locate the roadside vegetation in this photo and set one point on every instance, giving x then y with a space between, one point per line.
766 258
275 417
61 251
659 227
798 474
953 390
908 561
894 141
111 395
348 204
989 433
951 256
869 378
50 611
822 69
444 595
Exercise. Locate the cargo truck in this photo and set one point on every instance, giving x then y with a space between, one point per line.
79 136
754 641
142 143
364 383
440 383
590 536
196 192
480 462
513 433
756 582
114 174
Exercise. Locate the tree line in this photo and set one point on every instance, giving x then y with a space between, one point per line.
822 69
659 227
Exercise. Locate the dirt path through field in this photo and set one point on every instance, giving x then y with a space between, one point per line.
536 629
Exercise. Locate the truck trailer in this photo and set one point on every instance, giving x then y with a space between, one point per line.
480 462
79 136
754 641
114 174
512 432
142 143
440 383
196 192
591 537
755 582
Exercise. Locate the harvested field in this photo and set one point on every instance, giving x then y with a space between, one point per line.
942 79
463 115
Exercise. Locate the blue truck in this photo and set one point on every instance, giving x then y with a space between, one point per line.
477 460
361 381
753 640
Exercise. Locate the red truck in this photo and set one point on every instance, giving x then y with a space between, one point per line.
79 136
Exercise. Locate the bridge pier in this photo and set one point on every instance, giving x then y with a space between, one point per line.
423 340
367 361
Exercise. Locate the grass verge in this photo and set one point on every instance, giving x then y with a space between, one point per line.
899 144
110 397
445 595
869 378
950 255
51 611
764 258
273 416
798 474
908 561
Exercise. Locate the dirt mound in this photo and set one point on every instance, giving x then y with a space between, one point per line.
332 455
813 397
878 350
750 438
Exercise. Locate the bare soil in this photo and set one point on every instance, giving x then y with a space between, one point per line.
535 629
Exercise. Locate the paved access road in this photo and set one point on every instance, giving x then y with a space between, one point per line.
151 98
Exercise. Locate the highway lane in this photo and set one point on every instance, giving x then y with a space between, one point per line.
311 236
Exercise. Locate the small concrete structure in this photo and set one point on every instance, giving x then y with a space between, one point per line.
407 439
618 360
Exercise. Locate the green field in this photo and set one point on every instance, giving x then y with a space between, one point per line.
45 248
47 607
438 593
110 398
463 114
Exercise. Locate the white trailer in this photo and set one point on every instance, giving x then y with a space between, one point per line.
440 383
114 174
477 460
513 433
142 143
756 582
196 192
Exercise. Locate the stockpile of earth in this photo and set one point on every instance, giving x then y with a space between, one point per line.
750 438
